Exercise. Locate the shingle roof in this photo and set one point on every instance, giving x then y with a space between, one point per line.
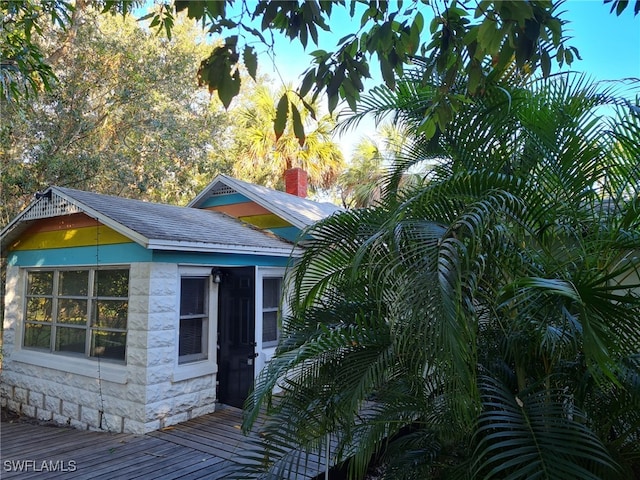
299 211
170 227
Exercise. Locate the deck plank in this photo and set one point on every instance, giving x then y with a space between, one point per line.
208 447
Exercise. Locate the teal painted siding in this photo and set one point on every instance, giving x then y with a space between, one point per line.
133 253
228 199
220 259
288 233
105 254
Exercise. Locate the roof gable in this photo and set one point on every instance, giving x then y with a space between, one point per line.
261 206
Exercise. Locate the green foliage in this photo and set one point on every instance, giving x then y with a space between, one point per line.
479 40
267 148
482 324
115 120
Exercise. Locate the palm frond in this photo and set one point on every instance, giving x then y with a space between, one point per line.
536 435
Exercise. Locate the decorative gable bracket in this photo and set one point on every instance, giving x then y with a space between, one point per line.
49 204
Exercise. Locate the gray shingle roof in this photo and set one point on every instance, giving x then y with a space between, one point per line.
166 226
299 211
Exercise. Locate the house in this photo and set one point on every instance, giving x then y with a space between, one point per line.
131 316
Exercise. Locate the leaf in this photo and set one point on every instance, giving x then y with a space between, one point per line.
250 61
387 72
195 10
542 432
545 63
281 116
229 86
307 81
622 4
309 108
298 128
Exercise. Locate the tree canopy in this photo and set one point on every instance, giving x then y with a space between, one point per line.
479 39
115 119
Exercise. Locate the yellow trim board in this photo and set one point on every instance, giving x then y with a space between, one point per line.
265 221
73 237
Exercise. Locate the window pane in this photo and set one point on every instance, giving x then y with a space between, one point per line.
192 296
70 339
269 326
110 313
271 291
39 309
190 337
40 283
72 311
37 336
112 283
74 283
108 344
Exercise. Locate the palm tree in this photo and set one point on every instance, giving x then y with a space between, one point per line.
265 158
485 323
362 183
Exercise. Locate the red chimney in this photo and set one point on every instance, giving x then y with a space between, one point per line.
295 181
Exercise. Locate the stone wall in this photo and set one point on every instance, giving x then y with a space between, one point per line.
138 397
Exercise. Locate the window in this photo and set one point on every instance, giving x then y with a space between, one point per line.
194 319
271 294
79 312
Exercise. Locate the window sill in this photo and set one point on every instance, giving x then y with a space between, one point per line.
189 370
79 366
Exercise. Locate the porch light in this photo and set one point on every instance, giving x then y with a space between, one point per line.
217 275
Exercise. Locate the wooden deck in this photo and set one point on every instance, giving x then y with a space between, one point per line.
207 447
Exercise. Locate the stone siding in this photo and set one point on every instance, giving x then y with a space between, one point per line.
144 399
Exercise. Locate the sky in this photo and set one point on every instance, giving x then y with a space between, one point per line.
608 44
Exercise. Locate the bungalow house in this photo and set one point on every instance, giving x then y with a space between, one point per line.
131 316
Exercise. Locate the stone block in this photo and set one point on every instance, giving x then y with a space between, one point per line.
163 270
44 414
136 357
36 399
13 406
139 428
29 410
20 395
54 404
162 355
6 390
158 410
78 425
138 305
161 391
112 423
70 409
61 419
163 303
162 338
187 401
203 410
137 339
162 321
90 416
175 419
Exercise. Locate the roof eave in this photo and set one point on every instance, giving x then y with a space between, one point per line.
222 248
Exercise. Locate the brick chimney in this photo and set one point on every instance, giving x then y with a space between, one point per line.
295 181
